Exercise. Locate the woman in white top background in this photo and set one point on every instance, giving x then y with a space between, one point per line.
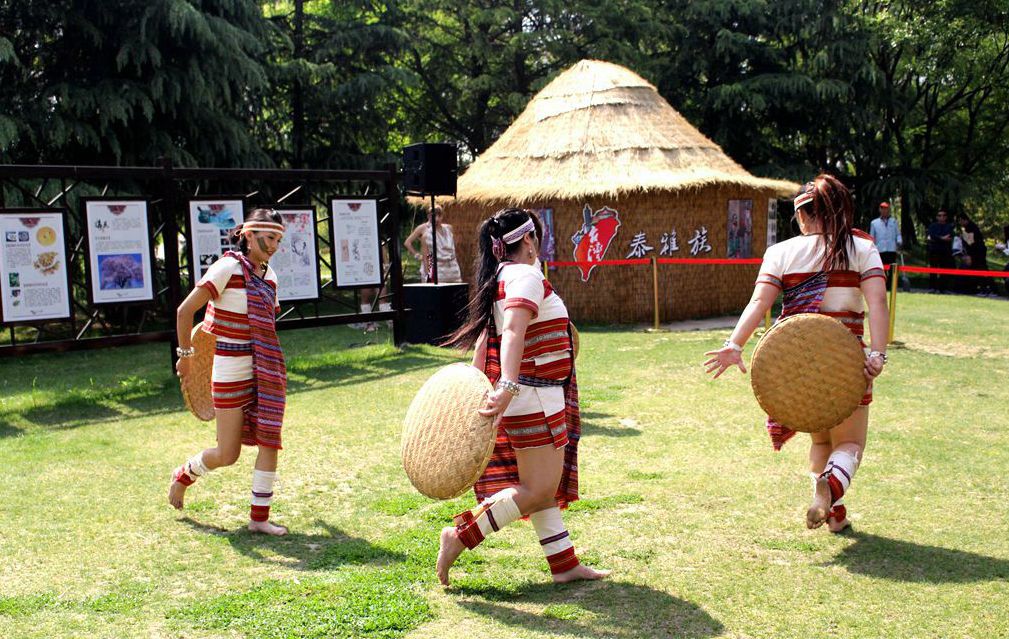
830 269
448 266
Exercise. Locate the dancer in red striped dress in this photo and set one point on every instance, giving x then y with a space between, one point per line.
831 268
521 331
249 379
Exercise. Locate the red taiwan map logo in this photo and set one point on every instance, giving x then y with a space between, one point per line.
594 238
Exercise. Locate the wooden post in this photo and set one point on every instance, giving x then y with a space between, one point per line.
655 291
893 299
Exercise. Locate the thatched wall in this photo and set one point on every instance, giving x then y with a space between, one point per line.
624 293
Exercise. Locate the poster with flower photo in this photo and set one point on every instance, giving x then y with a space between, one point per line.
356 253
296 262
34 281
119 251
210 222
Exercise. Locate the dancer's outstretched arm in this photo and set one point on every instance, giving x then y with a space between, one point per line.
729 355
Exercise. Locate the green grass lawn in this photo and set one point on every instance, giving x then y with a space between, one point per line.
683 498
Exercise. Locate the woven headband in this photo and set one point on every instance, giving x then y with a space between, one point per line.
266 227
514 236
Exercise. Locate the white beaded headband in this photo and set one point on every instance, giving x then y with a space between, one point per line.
515 235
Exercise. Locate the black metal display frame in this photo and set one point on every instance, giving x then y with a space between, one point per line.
168 190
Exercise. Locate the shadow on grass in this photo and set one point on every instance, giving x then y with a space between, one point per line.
325 551
897 560
151 396
328 376
593 609
80 408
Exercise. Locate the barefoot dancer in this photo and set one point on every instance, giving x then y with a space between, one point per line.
249 378
520 328
829 269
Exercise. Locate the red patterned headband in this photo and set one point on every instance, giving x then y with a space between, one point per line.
802 199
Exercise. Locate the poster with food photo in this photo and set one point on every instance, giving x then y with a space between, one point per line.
355 232
34 281
295 261
119 251
210 222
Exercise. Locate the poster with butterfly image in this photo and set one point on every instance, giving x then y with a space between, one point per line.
119 250
209 227
34 279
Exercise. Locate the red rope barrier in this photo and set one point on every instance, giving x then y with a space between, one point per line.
661 260
757 261
639 262
710 260
953 271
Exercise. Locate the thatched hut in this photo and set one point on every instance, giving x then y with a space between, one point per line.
610 159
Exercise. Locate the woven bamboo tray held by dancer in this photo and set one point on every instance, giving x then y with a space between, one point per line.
811 371
509 422
231 366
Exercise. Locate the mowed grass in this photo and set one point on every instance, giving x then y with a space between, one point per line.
683 498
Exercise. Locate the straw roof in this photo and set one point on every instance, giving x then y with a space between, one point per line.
600 129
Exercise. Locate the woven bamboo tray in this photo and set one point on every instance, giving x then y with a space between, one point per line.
446 444
807 372
196 391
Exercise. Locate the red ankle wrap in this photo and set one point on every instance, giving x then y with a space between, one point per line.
470 534
182 477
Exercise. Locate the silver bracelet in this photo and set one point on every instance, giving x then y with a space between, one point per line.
184 352
509 386
882 356
734 346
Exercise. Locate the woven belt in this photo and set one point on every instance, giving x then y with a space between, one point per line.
539 382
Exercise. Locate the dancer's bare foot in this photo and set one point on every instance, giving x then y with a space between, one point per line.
448 552
579 572
820 508
176 492
267 528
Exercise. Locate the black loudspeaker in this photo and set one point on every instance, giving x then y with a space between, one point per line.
430 169
435 311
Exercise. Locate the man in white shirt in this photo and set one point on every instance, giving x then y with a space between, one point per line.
885 233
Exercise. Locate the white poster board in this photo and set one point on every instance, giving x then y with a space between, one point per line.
119 251
35 283
296 261
772 222
210 221
356 251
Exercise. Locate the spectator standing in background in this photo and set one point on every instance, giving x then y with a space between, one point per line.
940 250
885 234
975 252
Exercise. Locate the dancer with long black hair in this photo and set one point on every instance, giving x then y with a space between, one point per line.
520 328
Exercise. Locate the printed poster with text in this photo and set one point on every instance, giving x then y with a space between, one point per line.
740 226
295 260
119 251
356 251
33 266
210 221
